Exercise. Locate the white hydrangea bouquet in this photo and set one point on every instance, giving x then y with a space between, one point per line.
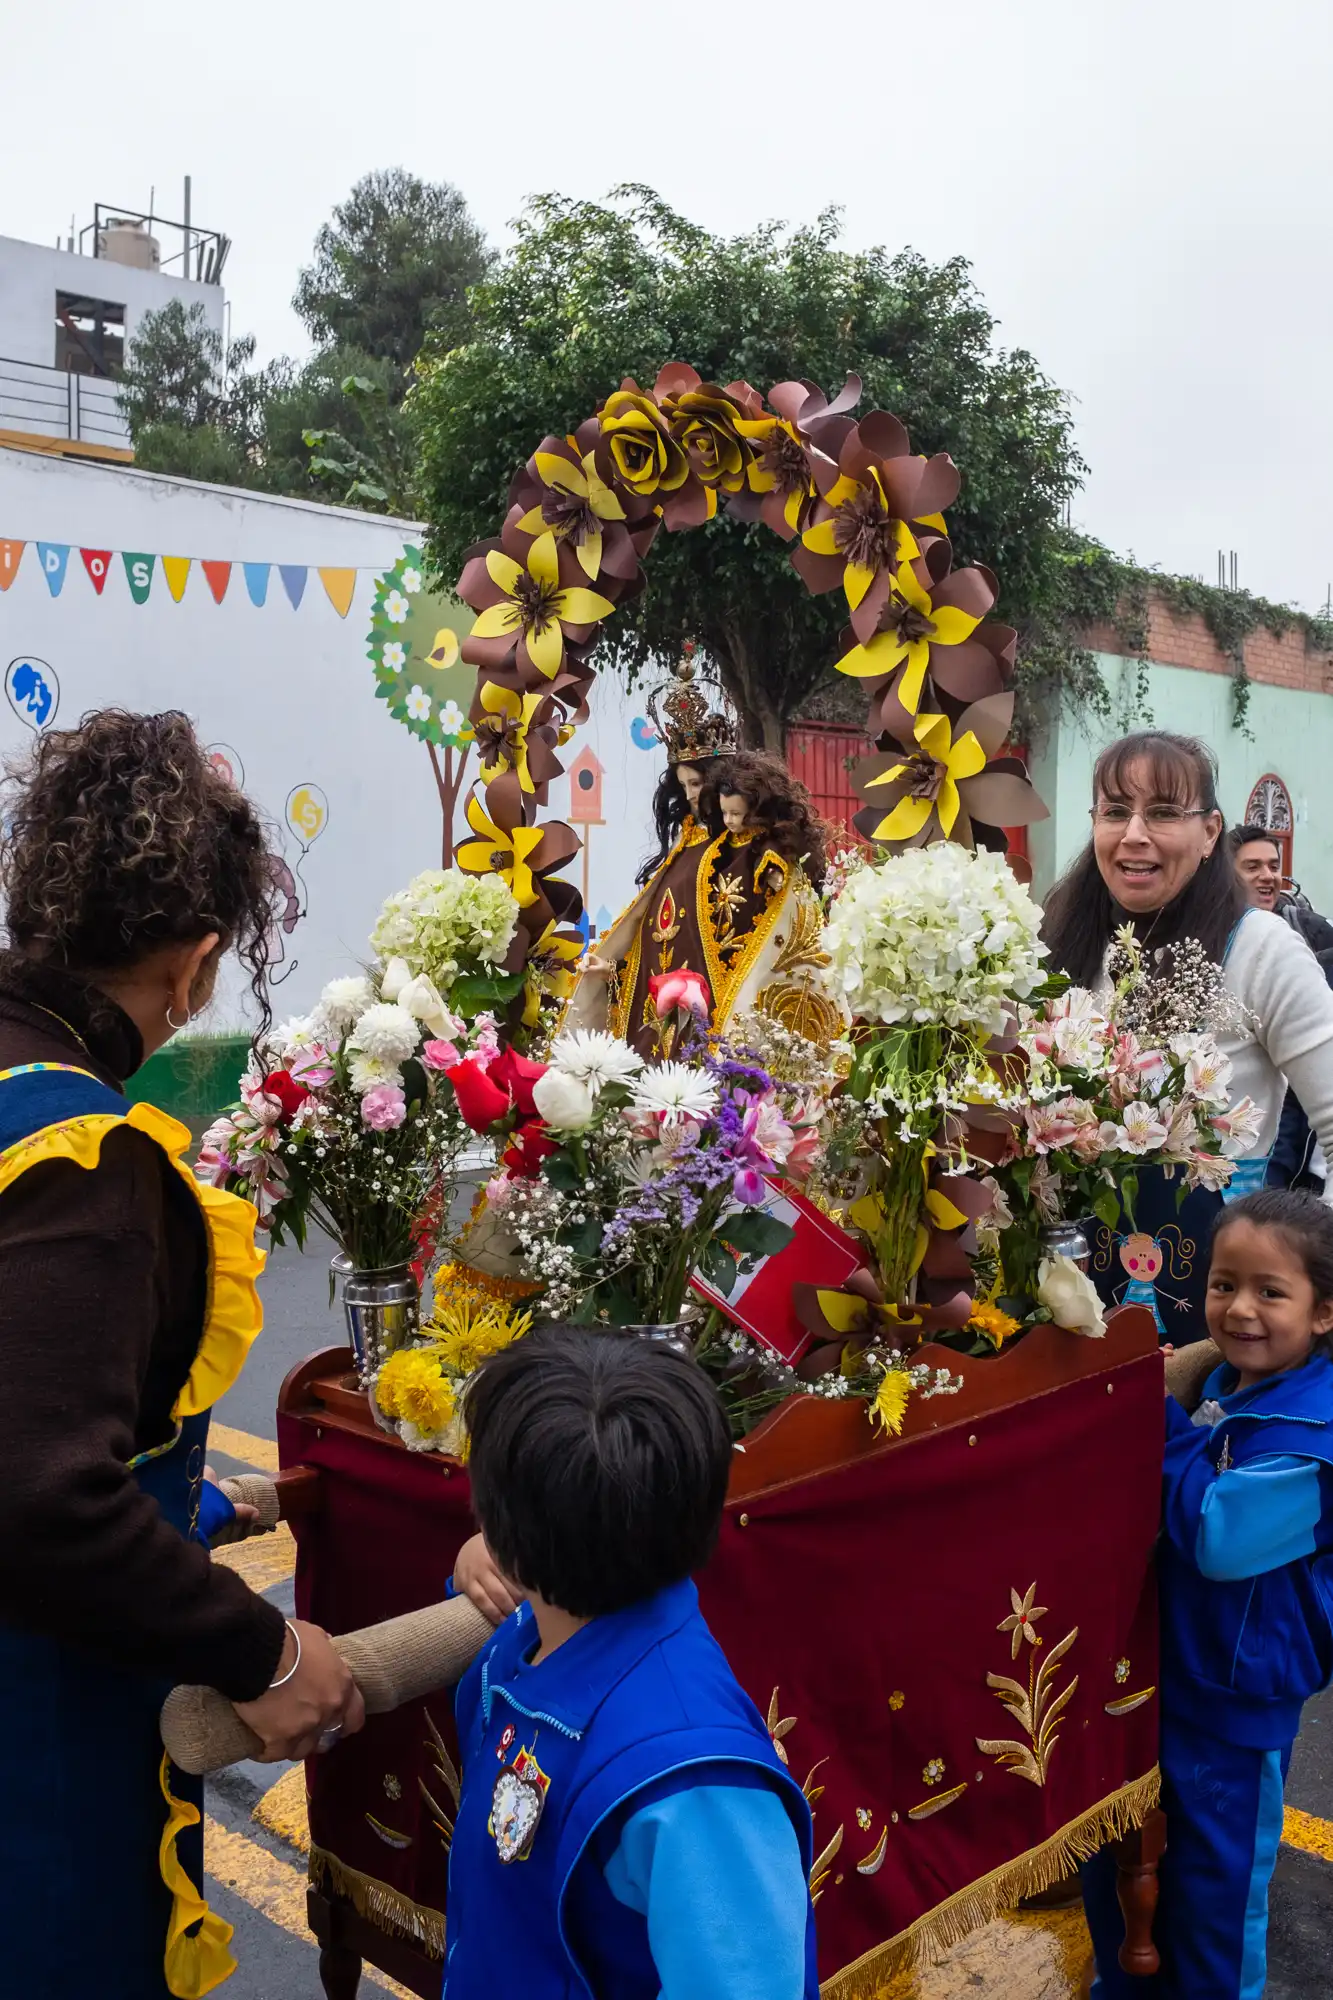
346 1114
934 950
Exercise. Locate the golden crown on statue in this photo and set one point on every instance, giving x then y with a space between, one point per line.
683 720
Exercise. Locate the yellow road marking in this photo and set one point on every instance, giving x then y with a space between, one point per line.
1311 1835
272 1886
264 1560
283 1809
262 1453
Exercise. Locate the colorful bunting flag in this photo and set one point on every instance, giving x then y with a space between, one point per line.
97 562
339 583
138 575
339 586
53 557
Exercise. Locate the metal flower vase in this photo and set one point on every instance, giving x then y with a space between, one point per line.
1066 1239
382 1309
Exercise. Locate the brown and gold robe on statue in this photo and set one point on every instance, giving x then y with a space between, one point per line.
730 909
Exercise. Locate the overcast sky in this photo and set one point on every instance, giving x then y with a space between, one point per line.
1144 188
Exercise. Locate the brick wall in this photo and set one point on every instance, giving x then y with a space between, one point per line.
1183 640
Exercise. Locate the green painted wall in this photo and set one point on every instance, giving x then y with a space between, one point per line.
1291 735
194 1077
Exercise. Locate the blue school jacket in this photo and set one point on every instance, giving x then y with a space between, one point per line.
1246 1557
555 1757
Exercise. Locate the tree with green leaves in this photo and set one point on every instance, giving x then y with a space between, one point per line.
592 293
195 406
392 266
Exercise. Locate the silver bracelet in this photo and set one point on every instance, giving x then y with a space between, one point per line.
295 1663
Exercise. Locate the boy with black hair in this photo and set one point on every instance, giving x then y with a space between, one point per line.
626 1829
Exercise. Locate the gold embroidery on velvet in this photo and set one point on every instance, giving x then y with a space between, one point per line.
929 1807
1129 1702
1037 1708
446 1773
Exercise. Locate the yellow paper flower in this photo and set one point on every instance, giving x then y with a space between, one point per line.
646 457
934 772
503 736
779 472
861 528
534 602
576 502
997 1326
495 852
551 971
891 1400
912 624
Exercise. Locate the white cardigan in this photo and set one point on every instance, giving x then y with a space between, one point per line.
1288 1037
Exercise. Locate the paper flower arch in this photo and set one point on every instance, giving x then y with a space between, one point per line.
863 514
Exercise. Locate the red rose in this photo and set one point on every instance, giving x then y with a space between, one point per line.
531 1144
283 1088
480 1101
517 1075
682 992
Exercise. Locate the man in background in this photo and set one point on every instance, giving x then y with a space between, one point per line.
1296 1160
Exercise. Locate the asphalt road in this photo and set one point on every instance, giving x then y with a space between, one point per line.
257 1874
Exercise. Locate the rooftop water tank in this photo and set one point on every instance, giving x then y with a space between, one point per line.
127 242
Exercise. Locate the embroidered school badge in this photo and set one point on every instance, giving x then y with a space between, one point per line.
517 1804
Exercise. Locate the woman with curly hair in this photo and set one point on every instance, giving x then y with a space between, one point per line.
127 1304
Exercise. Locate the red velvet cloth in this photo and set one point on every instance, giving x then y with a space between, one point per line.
869 1599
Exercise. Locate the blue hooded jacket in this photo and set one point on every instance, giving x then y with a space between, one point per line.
634 1701
1246 1558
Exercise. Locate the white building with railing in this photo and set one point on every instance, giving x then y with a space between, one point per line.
69 311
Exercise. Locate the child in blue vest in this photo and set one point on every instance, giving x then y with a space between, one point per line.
1246 1574
625 1828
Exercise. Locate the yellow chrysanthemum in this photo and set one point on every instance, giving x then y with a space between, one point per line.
996 1326
891 1399
469 1324
412 1388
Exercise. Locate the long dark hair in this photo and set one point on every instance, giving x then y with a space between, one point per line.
1081 913
670 809
778 801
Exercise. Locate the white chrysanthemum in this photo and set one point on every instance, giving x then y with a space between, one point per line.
935 934
672 1090
386 1032
343 999
301 1032
595 1058
369 1072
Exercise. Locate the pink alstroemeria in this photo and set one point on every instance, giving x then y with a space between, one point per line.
749 1186
311 1067
487 1045
1051 1126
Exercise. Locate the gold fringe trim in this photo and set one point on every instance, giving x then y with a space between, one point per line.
388 1909
927 1940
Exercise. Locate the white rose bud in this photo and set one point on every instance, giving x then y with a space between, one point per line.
396 975
421 998
1070 1296
563 1101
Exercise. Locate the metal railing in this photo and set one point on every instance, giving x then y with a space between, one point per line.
49 402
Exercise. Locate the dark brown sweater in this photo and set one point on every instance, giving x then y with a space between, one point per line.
103 1279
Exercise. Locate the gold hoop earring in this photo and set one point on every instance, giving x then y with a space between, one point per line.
175 1025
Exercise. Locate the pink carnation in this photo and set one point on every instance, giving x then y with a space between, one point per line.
440 1055
384 1109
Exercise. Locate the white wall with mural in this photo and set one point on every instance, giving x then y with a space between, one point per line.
267 621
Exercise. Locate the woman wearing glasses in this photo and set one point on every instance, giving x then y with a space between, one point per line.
1157 860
